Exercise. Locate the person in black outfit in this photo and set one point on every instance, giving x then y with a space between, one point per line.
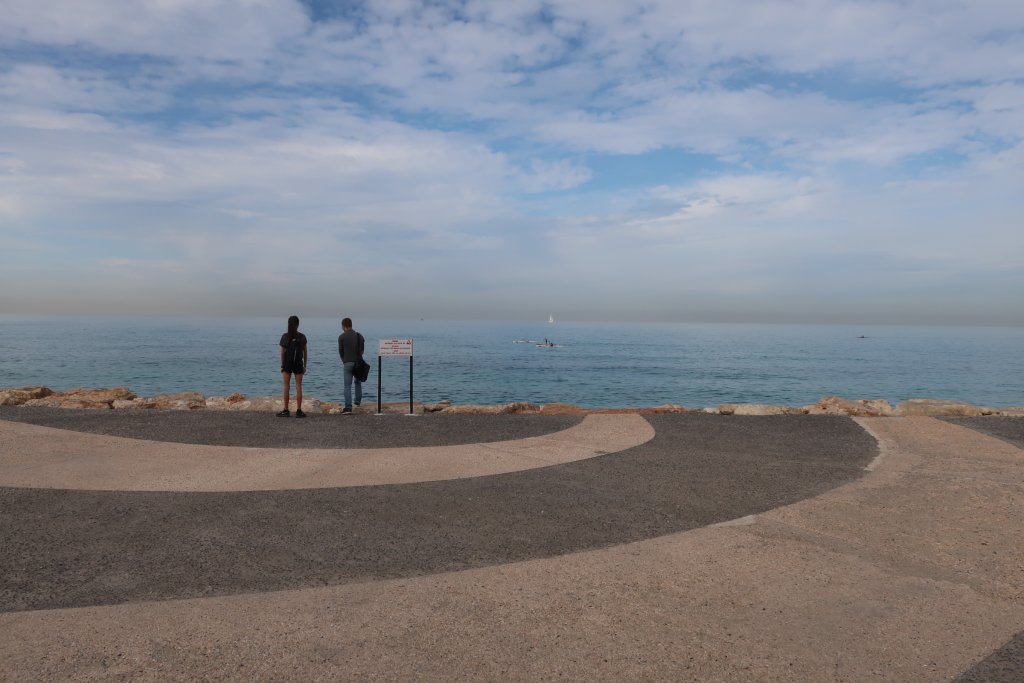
294 357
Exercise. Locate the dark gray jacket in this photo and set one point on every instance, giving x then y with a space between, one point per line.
350 346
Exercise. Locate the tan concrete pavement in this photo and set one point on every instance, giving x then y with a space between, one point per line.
912 573
41 457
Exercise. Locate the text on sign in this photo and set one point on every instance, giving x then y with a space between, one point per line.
395 347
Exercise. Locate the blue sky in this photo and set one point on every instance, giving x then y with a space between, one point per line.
790 161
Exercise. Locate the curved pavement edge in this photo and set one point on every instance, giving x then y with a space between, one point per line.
33 456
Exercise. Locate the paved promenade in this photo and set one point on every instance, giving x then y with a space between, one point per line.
226 546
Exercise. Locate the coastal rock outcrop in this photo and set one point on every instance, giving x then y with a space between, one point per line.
522 407
516 407
938 408
393 408
235 401
668 408
753 409
652 410
837 405
477 409
274 404
19 395
184 400
122 398
83 398
561 409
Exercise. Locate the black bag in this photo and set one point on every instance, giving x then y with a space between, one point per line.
293 356
361 370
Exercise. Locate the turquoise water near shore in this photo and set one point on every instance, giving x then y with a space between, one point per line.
595 365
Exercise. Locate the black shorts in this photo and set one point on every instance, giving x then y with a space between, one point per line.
295 369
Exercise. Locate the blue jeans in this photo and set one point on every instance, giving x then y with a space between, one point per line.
349 376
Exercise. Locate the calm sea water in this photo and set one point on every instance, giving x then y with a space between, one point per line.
595 365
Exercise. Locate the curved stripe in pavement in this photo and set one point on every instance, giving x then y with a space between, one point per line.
43 457
257 429
888 567
66 548
1008 429
1005 665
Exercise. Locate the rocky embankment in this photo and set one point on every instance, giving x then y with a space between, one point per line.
122 398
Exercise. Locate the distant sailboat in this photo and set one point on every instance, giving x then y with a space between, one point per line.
551 319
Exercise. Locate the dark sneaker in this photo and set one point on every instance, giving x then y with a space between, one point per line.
284 413
347 410
359 403
299 413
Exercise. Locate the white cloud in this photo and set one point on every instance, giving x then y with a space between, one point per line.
232 30
766 195
230 200
42 86
412 145
554 175
785 238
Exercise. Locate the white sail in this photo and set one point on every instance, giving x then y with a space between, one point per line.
551 318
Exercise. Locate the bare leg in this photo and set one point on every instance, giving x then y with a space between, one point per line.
298 392
287 381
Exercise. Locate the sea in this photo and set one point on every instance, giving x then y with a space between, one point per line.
596 365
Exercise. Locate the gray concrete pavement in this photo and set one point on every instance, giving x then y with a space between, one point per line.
842 562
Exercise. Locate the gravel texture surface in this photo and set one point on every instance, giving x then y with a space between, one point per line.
66 548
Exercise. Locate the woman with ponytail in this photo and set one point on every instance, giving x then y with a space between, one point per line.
294 357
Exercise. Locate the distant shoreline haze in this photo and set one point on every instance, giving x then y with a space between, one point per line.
1010 320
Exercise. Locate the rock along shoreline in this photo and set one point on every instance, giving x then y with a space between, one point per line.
122 398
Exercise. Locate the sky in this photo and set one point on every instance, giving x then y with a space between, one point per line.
705 160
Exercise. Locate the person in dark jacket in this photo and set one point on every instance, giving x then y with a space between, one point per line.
294 357
350 348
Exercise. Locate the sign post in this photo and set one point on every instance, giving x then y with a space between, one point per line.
394 347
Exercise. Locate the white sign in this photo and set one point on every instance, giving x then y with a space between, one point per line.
395 347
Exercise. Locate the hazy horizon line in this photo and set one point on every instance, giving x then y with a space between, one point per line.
521 319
